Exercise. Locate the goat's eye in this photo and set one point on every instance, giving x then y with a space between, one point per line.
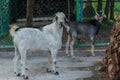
56 18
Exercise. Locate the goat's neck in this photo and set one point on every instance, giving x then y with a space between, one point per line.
58 34
55 30
98 27
59 29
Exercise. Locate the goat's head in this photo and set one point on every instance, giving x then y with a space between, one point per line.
60 18
99 16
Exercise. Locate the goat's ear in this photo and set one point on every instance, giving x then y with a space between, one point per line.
104 16
55 18
97 16
66 20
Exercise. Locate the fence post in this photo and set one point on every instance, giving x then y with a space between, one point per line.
68 9
79 10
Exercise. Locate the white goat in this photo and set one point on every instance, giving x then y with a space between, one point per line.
48 39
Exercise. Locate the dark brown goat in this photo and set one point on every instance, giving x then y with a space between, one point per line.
90 28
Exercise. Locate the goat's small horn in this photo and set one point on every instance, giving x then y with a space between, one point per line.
96 16
104 15
97 13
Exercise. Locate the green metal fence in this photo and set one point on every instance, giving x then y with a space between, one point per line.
15 11
4 17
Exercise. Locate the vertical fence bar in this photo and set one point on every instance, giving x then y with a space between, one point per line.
4 17
68 9
79 10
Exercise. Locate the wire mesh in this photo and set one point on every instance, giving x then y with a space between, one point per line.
4 19
14 11
41 8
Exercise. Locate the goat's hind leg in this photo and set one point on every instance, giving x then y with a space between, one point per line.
71 47
68 45
93 45
23 53
16 62
49 63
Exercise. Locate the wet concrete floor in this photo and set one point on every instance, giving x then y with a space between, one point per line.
83 67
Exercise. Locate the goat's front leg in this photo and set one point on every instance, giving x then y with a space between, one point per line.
49 63
54 56
15 61
71 47
67 45
93 45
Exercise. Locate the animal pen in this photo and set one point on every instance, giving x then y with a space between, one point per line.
40 12
37 13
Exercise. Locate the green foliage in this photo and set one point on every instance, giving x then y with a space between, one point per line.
107 24
87 19
6 40
116 7
95 4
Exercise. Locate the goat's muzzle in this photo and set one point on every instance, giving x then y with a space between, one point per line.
61 24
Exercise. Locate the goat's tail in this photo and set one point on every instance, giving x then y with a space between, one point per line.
13 28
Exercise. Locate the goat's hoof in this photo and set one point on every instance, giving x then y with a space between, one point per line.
93 54
17 74
73 57
67 55
56 73
49 71
25 77
26 68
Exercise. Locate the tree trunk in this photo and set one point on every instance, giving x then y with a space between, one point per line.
88 10
112 10
107 9
29 13
99 5
111 61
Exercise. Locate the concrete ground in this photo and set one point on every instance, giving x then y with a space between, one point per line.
69 69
